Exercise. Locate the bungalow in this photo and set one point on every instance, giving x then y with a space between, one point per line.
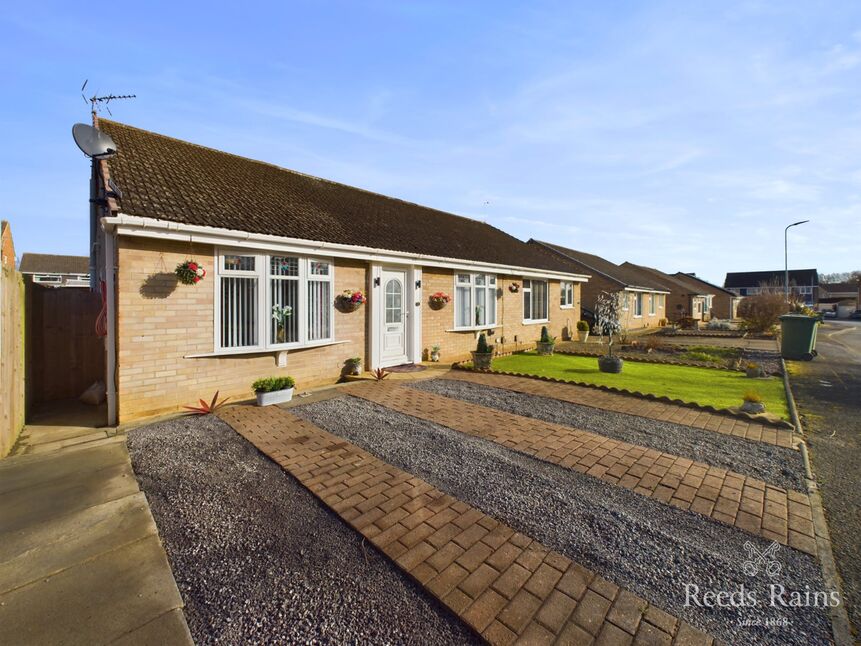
841 298
644 297
279 259
687 298
724 303
803 283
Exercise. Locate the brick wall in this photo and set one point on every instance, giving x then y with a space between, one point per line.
161 321
437 324
598 284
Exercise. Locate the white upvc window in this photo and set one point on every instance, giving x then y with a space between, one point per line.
566 298
652 304
273 301
474 300
638 304
534 301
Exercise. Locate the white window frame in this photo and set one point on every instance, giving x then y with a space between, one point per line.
490 286
638 305
528 290
264 300
652 298
566 298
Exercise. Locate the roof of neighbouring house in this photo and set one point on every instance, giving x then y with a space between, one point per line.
675 283
704 283
168 179
839 288
758 278
623 276
44 263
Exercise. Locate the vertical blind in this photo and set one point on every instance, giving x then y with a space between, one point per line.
238 312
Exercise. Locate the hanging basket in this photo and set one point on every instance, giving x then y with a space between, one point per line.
514 288
438 300
349 300
190 272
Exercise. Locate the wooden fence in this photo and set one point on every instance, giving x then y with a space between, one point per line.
12 407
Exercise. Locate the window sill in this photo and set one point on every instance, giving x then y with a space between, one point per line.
566 307
535 321
475 328
273 350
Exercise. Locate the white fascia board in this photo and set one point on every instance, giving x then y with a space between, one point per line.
644 290
132 225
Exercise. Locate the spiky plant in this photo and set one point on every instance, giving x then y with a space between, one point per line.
207 408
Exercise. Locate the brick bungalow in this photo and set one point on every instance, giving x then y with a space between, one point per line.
724 303
644 297
687 297
803 283
271 238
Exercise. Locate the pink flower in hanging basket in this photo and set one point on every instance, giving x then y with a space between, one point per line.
189 272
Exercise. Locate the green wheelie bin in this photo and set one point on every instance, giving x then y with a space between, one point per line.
798 336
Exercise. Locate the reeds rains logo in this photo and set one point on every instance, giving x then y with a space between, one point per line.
760 562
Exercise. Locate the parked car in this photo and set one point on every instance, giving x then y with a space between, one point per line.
829 314
855 315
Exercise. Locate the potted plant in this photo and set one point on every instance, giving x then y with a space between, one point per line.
482 355
545 343
752 402
438 300
353 366
582 331
434 353
280 314
273 390
607 315
350 300
753 370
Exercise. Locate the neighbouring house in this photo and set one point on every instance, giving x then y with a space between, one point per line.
279 248
843 298
643 297
688 298
52 270
803 283
724 304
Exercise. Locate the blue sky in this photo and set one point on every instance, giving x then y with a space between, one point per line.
679 135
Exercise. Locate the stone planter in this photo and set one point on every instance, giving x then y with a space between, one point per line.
753 407
481 360
582 336
610 364
353 369
434 356
274 397
753 373
545 348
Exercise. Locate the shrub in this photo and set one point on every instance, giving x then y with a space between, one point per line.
582 326
545 335
752 396
761 312
482 347
271 384
652 342
717 324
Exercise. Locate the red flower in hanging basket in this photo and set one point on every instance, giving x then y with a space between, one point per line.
189 272
350 300
514 288
438 300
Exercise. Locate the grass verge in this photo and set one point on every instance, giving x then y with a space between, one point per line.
704 386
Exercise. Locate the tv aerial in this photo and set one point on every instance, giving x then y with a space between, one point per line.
98 102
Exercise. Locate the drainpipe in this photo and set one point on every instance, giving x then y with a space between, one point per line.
111 339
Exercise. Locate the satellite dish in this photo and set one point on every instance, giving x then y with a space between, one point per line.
93 142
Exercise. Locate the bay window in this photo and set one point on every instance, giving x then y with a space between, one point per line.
535 300
474 300
273 301
566 298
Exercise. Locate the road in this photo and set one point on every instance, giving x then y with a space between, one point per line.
828 394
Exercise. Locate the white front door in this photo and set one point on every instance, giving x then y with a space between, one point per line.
393 328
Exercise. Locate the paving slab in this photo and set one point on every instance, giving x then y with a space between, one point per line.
94 602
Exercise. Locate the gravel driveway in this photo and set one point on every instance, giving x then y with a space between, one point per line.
778 466
648 547
259 560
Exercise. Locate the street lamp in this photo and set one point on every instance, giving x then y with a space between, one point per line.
786 258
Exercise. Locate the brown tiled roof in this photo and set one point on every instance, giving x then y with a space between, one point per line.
678 283
169 179
589 263
44 263
706 285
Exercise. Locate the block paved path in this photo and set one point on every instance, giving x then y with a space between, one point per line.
616 402
731 498
503 584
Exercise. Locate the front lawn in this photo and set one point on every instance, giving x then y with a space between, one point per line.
704 386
